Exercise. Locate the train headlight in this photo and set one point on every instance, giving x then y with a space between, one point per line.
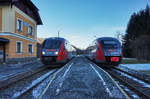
43 53
56 53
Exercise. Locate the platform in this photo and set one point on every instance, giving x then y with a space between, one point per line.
81 79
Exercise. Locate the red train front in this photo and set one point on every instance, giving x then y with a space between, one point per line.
56 50
105 50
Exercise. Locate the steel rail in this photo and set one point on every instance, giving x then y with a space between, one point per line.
129 84
32 72
29 89
133 75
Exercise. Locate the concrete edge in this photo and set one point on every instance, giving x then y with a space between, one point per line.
124 93
19 76
53 78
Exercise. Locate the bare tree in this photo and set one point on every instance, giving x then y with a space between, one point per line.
119 36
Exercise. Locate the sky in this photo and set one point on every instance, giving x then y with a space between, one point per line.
82 21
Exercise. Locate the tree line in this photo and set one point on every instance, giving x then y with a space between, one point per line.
136 41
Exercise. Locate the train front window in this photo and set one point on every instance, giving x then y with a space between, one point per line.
52 44
107 44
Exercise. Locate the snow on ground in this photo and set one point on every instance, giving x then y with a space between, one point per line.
34 83
146 85
129 58
139 67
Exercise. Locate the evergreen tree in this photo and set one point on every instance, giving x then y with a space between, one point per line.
139 25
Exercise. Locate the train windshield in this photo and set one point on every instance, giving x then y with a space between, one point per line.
52 44
107 44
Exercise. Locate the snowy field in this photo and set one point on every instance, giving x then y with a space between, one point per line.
139 67
129 58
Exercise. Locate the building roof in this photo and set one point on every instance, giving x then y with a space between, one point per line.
27 7
4 40
5 1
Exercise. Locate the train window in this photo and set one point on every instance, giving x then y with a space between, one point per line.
110 44
52 44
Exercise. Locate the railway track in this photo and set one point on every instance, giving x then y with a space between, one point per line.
140 76
20 88
135 83
29 88
13 78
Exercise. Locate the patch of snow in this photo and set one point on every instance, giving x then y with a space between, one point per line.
135 96
104 83
57 91
39 89
67 70
35 82
8 75
132 93
63 78
143 67
129 58
137 80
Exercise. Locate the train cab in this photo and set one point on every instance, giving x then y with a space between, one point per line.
105 50
56 50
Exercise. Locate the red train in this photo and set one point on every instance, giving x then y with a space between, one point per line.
56 50
105 50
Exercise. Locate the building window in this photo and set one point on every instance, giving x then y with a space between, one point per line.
30 30
19 25
30 48
19 47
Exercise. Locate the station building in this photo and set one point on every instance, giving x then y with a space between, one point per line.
18 30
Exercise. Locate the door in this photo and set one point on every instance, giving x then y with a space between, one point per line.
2 53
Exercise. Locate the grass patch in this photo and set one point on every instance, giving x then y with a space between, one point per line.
127 61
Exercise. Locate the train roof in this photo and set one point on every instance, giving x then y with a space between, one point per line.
106 38
56 38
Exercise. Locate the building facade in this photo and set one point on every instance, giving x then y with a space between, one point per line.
18 30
